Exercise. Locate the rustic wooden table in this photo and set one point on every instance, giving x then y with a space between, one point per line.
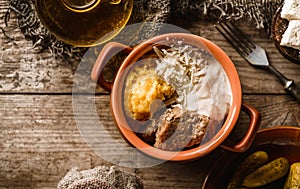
39 139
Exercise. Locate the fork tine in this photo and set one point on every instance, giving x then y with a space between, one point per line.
241 35
228 37
236 38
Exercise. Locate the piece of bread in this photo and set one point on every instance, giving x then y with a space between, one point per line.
291 10
291 37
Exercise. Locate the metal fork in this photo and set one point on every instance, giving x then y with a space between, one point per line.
254 54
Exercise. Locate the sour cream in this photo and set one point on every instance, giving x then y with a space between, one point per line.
211 96
199 80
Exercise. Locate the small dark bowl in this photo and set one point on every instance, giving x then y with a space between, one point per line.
277 142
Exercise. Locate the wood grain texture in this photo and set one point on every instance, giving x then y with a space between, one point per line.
39 136
39 141
25 70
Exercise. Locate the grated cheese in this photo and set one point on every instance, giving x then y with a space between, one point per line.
197 77
182 66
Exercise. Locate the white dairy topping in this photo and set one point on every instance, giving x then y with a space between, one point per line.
212 95
200 81
291 10
291 36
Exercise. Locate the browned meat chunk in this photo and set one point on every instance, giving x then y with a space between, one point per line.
178 129
148 134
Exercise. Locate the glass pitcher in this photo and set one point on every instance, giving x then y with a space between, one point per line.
84 23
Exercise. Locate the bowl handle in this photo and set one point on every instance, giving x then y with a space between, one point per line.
246 141
107 52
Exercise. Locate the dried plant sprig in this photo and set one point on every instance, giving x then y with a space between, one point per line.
33 29
259 12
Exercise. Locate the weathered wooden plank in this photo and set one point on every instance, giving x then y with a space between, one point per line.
39 141
24 70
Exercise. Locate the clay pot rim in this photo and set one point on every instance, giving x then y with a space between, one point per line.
203 149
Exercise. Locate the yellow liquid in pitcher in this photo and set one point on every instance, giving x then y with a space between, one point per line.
84 23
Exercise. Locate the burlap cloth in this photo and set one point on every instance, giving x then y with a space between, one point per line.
154 11
100 178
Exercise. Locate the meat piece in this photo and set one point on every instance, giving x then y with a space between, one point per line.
178 129
149 129
148 133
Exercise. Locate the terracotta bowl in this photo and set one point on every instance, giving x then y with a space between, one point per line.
283 141
116 90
